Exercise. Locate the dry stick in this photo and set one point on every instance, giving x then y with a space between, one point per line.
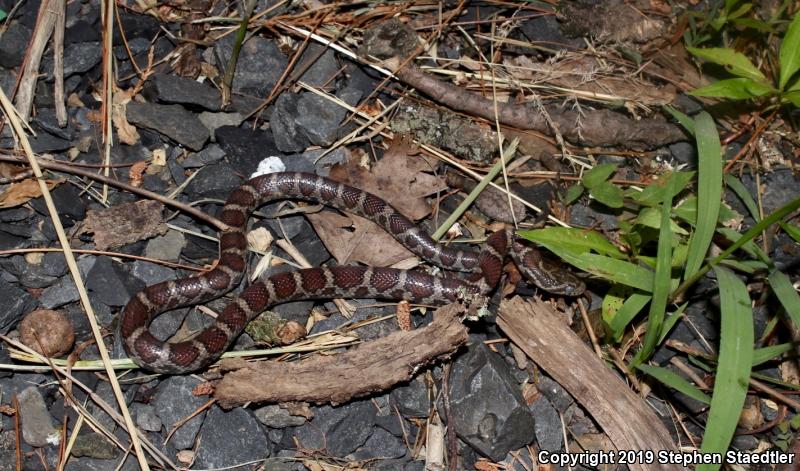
76 275
58 62
44 27
108 86
624 416
53 165
372 366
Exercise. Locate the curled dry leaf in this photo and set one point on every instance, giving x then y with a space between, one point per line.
21 192
126 223
126 131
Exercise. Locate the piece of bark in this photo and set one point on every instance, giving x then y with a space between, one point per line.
368 368
628 421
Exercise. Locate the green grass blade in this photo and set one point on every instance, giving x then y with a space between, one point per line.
792 230
751 234
709 191
787 295
790 52
630 308
685 120
733 367
763 355
670 321
671 379
736 185
572 239
661 282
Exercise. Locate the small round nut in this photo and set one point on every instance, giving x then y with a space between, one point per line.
47 332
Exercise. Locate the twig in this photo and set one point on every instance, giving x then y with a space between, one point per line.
53 165
45 23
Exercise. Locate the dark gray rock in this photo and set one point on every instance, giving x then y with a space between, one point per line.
488 410
323 65
71 207
547 29
275 416
288 137
211 154
173 121
557 395
165 247
381 444
146 418
14 303
341 430
245 148
175 89
13 45
59 294
37 426
173 402
111 284
684 152
214 121
411 400
78 58
214 181
260 64
229 438
548 426
319 118
151 273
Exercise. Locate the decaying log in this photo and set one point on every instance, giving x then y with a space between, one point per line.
368 368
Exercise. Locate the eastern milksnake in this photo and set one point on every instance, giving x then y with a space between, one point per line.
483 269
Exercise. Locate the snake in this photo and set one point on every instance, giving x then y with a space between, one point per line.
464 271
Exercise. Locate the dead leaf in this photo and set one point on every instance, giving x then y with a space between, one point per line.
352 239
126 131
24 191
9 170
124 224
401 177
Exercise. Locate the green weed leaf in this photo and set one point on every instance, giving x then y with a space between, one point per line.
607 193
598 175
735 89
734 62
790 52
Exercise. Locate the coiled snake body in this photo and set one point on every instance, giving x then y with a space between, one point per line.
483 270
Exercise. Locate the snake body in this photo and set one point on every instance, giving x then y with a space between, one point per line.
481 272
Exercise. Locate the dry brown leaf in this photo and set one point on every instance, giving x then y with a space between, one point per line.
9 170
352 239
126 131
401 179
24 191
124 224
